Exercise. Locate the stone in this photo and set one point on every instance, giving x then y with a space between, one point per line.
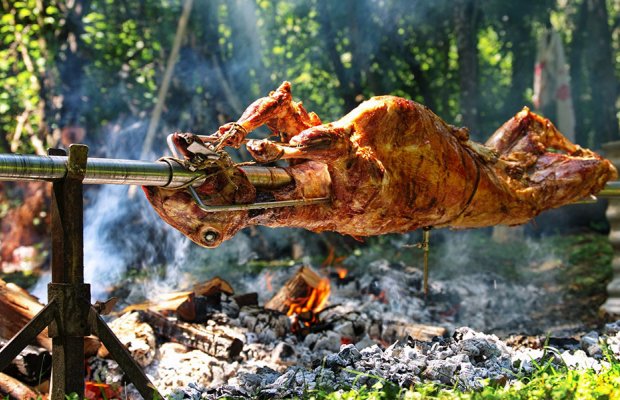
590 344
394 350
310 340
441 371
612 328
350 353
345 329
373 350
469 377
137 336
329 341
283 352
468 360
580 360
335 361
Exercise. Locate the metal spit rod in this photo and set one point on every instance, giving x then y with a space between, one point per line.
165 173
15 167
611 190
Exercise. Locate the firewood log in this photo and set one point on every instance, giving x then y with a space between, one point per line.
219 341
18 307
299 286
173 301
391 331
14 389
32 366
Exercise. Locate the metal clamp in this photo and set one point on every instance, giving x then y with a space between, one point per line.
240 207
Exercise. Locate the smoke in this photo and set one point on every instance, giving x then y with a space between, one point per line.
126 241
127 247
524 285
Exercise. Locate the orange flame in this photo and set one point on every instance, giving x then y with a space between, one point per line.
100 391
342 272
310 305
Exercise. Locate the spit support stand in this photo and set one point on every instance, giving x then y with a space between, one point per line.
68 314
239 207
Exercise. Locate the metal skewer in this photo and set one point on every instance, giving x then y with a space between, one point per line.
164 173
610 191
68 314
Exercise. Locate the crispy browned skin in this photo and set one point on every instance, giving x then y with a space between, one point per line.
392 165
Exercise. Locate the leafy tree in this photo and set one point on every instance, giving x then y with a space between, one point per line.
27 73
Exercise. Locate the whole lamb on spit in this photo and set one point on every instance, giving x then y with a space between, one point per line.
390 165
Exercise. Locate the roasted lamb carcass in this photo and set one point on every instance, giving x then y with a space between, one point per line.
390 165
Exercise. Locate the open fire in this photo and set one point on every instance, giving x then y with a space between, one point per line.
305 310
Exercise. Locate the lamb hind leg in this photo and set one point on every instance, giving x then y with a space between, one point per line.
557 171
530 133
560 178
278 111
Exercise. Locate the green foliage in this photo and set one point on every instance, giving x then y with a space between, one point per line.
289 29
24 64
126 55
335 53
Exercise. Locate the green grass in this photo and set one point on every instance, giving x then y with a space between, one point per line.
547 382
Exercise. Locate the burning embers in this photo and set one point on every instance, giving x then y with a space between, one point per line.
307 308
236 335
302 298
210 336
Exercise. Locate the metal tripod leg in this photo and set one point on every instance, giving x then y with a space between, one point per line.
69 315
27 334
121 355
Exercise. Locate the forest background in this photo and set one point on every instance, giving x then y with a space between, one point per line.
104 72
92 63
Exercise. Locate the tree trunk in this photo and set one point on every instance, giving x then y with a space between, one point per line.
71 63
524 57
577 75
225 104
593 76
350 84
466 29
246 46
602 78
